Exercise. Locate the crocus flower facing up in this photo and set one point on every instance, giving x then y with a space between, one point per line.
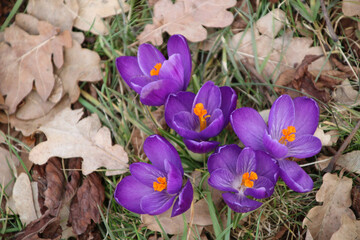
152 76
152 189
242 173
289 133
199 117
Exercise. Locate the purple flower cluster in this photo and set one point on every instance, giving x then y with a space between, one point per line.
240 173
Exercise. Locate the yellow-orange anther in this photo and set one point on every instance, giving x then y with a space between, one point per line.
200 111
247 179
288 135
155 71
160 185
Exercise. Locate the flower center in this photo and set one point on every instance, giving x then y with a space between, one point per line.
155 71
160 184
200 111
248 178
288 135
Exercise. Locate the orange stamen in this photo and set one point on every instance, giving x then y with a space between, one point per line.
288 135
160 185
155 71
200 111
247 179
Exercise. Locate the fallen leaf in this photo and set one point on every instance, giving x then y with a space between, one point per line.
281 53
349 230
350 161
23 199
69 137
334 193
327 139
85 206
187 17
29 58
8 163
355 196
346 94
91 13
351 7
80 64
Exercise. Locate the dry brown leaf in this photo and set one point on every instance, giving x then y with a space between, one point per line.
29 58
355 196
349 230
350 161
351 7
282 53
8 163
69 137
85 205
187 17
23 199
91 13
28 127
60 13
80 64
346 94
327 139
323 221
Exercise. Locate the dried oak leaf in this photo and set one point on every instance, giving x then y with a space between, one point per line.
29 58
91 13
349 230
351 7
69 137
323 221
80 64
187 17
355 195
85 205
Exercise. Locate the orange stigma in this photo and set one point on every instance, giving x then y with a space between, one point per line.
160 185
288 135
200 111
155 71
247 179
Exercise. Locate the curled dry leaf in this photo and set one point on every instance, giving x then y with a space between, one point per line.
68 137
351 7
349 230
8 163
281 53
334 193
345 94
91 13
350 161
187 17
29 58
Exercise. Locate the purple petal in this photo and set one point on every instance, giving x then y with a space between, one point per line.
174 178
130 71
156 92
281 116
304 146
295 177
225 157
158 150
156 202
200 146
228 102
183 203
145 173
266 166
210 96
148 56
262 188
173 70
178 102
246 161
215 125
240 203
306 115
249 127
222 179
274 148
185 125
128 193
178 44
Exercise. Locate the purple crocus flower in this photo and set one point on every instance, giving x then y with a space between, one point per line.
199 117
152 189
242 173
152 76
289 133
